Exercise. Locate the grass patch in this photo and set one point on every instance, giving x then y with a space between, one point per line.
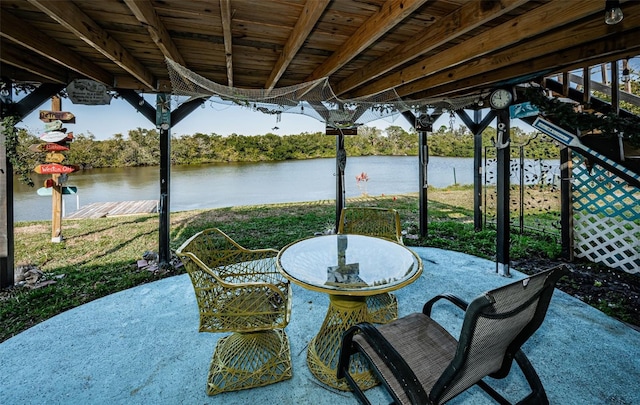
98 256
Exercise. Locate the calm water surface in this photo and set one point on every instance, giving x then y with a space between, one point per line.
233 184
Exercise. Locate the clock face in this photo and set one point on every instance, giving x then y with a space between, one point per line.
500 98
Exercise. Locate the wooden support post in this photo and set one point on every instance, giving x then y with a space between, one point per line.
503 182
627 80
163 121
477 125
6 200
615 88
566 204
477 172
56 209
56 194
423 179
423 125
341 163
586 87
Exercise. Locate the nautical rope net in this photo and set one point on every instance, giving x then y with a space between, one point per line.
315 99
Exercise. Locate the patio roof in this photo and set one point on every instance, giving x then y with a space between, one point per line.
419 48
142 346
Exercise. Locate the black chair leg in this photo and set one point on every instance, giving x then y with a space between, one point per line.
538 394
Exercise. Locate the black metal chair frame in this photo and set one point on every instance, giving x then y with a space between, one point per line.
403 373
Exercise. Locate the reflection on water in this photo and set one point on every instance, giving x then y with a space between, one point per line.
233 184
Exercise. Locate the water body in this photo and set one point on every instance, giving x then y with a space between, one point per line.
234 184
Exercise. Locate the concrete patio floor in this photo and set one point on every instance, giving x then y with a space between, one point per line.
141 346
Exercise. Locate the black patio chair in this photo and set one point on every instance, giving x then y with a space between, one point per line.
419 362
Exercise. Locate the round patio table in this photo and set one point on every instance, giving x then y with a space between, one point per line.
348 268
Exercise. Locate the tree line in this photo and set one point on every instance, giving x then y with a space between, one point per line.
142 146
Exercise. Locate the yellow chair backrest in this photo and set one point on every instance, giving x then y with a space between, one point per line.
372 221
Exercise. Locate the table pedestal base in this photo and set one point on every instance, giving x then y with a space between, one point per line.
324 348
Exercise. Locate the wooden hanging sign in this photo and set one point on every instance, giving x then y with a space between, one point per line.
45 191
64 116
53 126
47 147
54 136
55 168
53 157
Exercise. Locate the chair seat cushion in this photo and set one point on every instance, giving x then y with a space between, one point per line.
424 345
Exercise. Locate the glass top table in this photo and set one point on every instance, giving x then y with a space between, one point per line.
348 268
349 264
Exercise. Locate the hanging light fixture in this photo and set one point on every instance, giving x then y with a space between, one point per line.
612 12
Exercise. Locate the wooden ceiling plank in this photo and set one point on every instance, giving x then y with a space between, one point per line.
311 12
555 43
225 15
146 14
544 18
75 20
468 17
16 57
391 13
20 32
602 50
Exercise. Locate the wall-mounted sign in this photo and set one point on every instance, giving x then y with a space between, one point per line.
522 110
88 92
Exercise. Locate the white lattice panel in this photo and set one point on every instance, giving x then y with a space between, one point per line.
612 241
606 217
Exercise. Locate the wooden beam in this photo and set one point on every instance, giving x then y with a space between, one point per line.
607 49
70 16
22 33
16 57
311 12
597 86
129 82
574 35
225 15
390 14
538 21
468 17
146 14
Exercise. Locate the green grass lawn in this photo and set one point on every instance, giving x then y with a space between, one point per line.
99 256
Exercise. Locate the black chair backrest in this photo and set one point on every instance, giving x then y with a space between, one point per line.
495 326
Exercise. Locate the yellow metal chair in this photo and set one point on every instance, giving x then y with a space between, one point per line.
381 223
240 291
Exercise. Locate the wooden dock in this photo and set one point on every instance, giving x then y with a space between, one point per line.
112 209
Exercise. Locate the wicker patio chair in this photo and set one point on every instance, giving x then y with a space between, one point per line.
381 223
240 291
419 362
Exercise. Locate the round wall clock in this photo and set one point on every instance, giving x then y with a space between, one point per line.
500 99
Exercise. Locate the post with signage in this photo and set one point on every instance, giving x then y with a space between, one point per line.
56 196
56 140
163 121
503 154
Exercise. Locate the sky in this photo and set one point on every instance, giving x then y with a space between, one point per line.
104 121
